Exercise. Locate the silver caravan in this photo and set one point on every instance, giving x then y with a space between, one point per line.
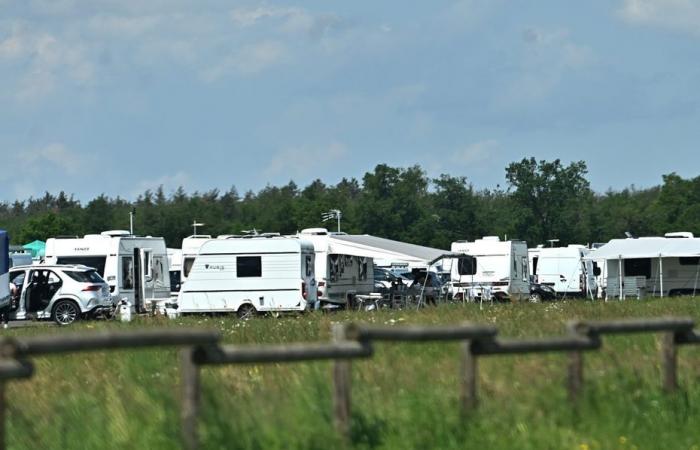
500 270
661 266
247 276
135 267
564 269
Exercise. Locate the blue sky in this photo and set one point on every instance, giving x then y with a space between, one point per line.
118 96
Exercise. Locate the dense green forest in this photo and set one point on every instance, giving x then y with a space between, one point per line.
540 200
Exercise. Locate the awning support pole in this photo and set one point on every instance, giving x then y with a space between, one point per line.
661 275
619 273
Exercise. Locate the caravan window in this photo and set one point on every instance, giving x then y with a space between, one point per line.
466 266
524 267
689 260
362 274
148 262
248 266
638 267
309 265
96 262
187 266
127 272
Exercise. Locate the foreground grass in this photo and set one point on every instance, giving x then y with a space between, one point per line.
404 397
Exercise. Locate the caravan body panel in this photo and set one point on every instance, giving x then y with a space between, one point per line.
272 274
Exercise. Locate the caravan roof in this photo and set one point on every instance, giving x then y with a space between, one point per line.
253 246
647 247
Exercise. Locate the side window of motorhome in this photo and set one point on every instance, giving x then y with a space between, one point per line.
248 266
524 267
158 269
638 267
362 269
127 272
187 265
334 263
466 266
96 262
689 260
309 265
148 262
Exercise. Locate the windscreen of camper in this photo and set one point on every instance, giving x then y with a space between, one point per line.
96 262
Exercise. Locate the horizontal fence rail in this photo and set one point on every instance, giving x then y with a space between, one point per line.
201 348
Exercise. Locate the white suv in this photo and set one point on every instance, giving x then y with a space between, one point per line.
63 293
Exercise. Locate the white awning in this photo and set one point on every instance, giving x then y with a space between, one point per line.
382 249
651 247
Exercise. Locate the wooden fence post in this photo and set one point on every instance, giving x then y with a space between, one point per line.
468 377
574 380
669 361
190 391
341 386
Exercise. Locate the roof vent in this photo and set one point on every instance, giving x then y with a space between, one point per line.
115 233
315 231
680 234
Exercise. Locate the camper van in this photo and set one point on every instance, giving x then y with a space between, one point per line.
659 266
498 271
135 267
564 270
249 276
342 272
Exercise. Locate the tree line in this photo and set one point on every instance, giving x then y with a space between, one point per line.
541 200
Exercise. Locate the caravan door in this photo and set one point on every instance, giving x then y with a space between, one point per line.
146 274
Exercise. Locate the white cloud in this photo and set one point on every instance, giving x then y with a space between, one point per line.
677 15
248 60
303 161
44 60
55 156
475 153
169 182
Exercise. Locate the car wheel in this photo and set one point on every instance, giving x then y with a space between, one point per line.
246 311
65 312
535 297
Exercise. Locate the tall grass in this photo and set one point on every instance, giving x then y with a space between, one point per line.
403 397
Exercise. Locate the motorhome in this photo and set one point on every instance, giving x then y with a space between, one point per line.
564 269
249 276
660 266
499 270
5 298
135 267
342 272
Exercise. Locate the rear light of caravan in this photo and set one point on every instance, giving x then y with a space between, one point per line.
92 288
303 290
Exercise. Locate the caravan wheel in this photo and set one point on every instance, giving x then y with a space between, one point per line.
246 311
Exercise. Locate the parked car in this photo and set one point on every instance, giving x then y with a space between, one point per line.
385 279
62 293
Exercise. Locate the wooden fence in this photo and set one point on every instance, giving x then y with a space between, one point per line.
350 341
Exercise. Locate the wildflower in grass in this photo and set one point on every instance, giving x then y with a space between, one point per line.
583 446
622 440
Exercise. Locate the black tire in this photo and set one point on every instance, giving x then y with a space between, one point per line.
65 312
246 311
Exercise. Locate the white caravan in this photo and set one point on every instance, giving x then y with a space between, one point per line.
564 269
663 266
500 270
342 272
247 276
135 267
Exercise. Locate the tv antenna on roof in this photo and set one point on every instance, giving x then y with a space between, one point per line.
332 214
552 242
196 224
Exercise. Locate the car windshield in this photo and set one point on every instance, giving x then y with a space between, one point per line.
85 276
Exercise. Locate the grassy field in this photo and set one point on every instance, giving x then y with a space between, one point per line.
403 397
